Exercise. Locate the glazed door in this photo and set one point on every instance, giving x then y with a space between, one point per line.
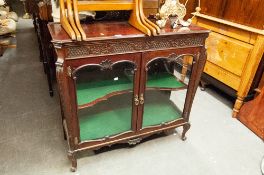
105 88
164 87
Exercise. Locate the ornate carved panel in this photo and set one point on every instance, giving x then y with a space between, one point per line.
132 45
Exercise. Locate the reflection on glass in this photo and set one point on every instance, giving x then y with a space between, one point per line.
106 94
166 88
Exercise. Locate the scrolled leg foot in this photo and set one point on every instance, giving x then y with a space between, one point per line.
73 169
73 160
186 127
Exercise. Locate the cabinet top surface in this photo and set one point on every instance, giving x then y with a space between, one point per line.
115 30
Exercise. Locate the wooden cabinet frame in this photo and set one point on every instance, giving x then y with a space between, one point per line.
135 48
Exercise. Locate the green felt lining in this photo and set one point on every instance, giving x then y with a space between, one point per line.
113 116
105 123
164 80
98 124
159 112
159 108
90 91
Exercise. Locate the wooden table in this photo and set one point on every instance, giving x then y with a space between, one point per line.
121 85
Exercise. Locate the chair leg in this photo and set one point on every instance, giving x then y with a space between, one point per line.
186 127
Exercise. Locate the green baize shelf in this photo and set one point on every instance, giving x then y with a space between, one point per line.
90 91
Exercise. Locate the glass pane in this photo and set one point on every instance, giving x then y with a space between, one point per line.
166 87
104 98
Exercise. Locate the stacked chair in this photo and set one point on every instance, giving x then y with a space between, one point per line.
69 11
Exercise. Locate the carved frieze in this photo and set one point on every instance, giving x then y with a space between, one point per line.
106 64
96 48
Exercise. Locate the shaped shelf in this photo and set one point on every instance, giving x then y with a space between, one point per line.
164 81
91 93
115 116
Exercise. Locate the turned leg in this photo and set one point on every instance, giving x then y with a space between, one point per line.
72 158
49 77
237 106
186 127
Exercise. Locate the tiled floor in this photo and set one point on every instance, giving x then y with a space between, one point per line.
31 140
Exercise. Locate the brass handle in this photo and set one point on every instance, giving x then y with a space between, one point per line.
141 99
136 100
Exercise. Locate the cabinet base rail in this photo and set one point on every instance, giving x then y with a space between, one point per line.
131 141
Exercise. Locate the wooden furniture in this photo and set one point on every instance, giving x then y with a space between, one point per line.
41 13
246 12
71 22
234 53
121 85
32 9
47 51
251 115
252 112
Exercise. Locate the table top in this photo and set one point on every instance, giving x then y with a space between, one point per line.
115 30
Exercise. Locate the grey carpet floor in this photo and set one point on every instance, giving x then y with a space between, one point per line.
31 139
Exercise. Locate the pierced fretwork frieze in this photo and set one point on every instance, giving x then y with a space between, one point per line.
96 48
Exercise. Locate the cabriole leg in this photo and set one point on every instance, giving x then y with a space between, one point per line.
186 127
72 158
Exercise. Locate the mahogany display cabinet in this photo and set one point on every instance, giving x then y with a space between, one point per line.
120 85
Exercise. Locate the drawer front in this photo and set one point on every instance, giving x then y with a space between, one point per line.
222 75
227 53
